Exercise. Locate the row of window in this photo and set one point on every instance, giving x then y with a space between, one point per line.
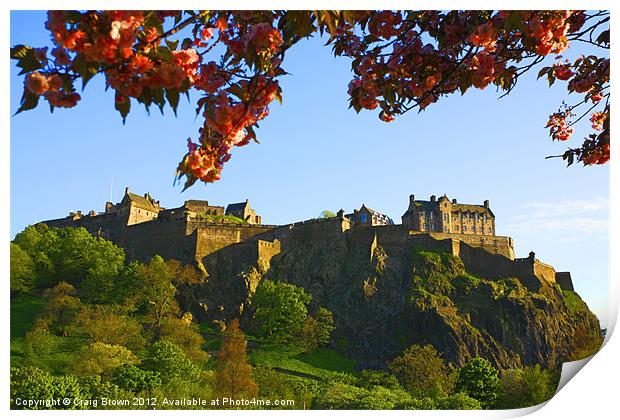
482 231
431 216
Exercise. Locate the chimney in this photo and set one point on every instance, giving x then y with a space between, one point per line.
433 198
454 201
486 204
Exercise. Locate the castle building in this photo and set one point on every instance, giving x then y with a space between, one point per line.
366 216
136 208
244 212
447 216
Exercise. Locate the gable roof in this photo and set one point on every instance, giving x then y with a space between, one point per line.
237 207
142 202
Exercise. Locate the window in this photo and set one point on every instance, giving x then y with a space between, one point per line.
482 231
468 217
423 215
456 228
464 228
476 217
484 217
445 217
363 218
474 229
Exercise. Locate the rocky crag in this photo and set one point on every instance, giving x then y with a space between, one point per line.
388 291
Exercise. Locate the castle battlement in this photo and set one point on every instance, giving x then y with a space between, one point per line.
197 230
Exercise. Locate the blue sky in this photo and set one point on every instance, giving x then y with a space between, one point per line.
316 154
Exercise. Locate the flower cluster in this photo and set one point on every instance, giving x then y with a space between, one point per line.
51 88
559 128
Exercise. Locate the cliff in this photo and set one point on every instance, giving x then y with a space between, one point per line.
386 295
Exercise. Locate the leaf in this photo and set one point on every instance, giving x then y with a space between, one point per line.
123 108
29 101
279 94
172 44
26 59
603 38
172 95
86 69
542 72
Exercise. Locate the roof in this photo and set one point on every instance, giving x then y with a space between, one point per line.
142 202
423 205
236 207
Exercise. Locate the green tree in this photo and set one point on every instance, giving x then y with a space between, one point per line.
526 387
170 362
234 373
108 324
39 346
132 378
479 379
326 214
101 359
158 291
39 242
371 378
185 335
34 384
22 275
422 372
458 401
61 306
316 331
279 310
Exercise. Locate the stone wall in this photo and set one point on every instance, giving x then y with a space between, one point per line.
563 278
501 245
211 237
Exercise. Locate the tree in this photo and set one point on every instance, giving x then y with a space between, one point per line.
479 379
39 242
101 359
22 270
61 306
326 214
132 378
107 324
525 387
170 362
158 291
422 371
34 384
279 310
234 373
401 60
185 335
316 331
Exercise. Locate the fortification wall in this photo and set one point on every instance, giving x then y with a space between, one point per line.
106 225
502 245
164 238
266 249
563 278
211 237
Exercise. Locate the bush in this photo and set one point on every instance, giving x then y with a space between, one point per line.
458 401
422 372
170 362
479 379
31 383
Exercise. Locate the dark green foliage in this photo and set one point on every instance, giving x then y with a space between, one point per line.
22 270
24 312
479 379
31 383
371 378
72 255
316 331
526 387
422 372
132 378
170 362
279 310
458 401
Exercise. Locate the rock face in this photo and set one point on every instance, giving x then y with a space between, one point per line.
388 296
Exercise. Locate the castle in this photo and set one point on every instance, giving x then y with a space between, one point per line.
200 233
